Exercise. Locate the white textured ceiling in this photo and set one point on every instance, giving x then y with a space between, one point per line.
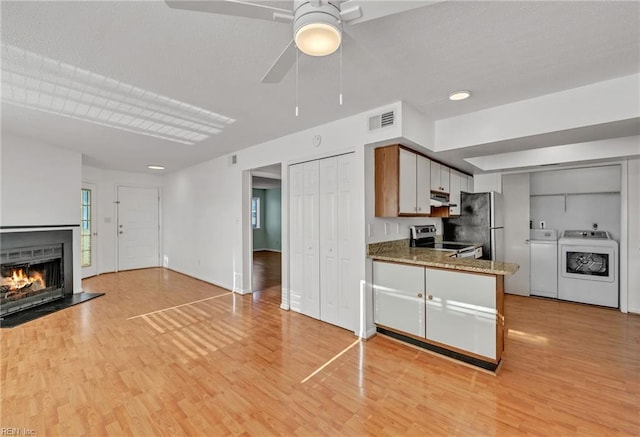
502 51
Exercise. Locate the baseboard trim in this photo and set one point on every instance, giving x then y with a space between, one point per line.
284 306
243 292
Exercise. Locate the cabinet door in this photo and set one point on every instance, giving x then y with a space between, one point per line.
444 178
454 193
435 176
398 297
407 183
311 250
464 183
461 311
423 185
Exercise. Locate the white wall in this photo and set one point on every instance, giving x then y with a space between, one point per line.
579 211
203 205
633 223
40 186
40 183
105 213
483 183
515 188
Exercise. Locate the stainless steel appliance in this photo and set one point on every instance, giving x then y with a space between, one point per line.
425 236
481 220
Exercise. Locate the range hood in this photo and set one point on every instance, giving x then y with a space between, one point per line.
439 199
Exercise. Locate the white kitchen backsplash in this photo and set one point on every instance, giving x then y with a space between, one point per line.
581 212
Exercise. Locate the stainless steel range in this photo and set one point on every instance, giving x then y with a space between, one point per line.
425 236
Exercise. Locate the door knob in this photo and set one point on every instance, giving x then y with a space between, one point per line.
430 297
121 232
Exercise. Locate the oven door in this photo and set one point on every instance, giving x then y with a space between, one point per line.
588 262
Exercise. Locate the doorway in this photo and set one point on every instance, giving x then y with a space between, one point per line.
138 230
266 229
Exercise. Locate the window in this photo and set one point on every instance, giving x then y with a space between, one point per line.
255 212
85 228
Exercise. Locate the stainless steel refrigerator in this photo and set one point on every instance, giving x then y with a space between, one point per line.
481 221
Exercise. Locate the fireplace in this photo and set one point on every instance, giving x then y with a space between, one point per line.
35 267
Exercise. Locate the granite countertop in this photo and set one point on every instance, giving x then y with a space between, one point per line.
399 251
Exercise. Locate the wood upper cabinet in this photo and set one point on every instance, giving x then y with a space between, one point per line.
402 185
439 177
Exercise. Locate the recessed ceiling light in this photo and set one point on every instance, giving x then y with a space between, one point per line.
459 95
155 167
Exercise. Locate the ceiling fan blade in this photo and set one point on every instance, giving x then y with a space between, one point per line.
232 7
359 11
282 65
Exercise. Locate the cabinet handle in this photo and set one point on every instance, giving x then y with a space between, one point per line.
430 297
419 294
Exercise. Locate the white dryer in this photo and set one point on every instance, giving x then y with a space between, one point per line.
588 268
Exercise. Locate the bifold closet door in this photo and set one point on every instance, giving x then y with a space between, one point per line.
304 286
321 240
348 285
338 291
296 240
329 256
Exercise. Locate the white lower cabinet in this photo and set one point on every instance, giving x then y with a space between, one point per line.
461 311
399 297
455 310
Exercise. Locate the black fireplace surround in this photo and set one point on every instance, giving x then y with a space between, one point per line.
36 267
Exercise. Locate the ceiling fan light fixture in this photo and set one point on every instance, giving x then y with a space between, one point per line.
318 39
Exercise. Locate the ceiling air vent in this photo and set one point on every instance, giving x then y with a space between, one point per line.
382 120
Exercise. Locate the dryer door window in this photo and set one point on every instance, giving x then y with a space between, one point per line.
588 263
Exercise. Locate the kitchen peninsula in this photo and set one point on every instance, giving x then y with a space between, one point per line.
453 306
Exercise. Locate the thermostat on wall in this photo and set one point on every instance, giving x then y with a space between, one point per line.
317 139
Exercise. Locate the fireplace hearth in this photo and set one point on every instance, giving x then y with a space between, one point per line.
36 267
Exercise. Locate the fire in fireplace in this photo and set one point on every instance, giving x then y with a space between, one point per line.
30 276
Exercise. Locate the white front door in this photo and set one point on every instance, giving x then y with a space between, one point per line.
88 233
138 227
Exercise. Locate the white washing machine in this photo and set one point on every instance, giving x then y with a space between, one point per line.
543 249
588 268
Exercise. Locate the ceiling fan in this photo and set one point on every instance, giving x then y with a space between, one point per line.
317 24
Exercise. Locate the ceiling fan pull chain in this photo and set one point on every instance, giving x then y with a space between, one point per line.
340 74
297 83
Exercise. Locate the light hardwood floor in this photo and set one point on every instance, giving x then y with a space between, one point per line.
232 364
